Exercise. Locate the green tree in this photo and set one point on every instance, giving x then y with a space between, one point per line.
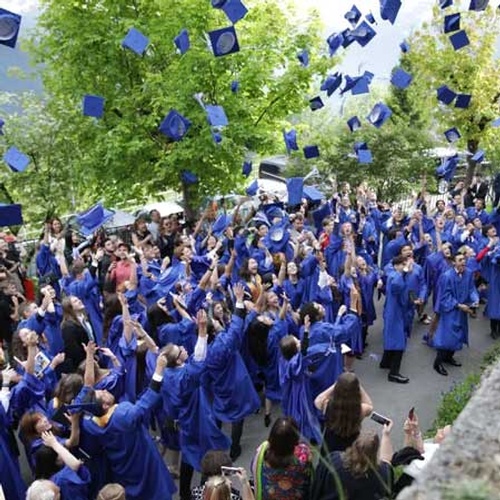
78 47
471 70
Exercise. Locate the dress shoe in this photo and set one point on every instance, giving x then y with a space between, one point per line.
453 362
267 419
440 369
398 378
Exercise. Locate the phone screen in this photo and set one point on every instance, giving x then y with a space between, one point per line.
380 419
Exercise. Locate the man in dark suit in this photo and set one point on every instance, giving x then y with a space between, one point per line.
477 189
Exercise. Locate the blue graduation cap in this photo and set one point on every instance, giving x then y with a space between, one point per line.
294 186
224 41
478 156
290 139
235 86
401 79
182 41
389 10
216 136
443 4
276 239
321 213
17 161
303 57
2 123
234 10
174 125
10 24
335 41
93 218
354 123
496 123
332 83
445 94
221 224
189 177
463 101
93 105
316 103
404 46
452 23
364 34
217 4
252 189
447 168
135 41
370 18
246 168
359 146
353 15
11 215
452 134
459 40
216 116
347 38
311 151
478 5
365 156
312 194
379 114
357 85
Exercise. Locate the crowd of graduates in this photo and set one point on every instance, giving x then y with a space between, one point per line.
171 335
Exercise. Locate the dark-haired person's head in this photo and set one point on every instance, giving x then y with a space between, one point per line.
398 262
283 439
289 346
315 311
212 462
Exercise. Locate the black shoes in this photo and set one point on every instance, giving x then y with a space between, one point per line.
453 362
440 369
495 335
267 419
398 378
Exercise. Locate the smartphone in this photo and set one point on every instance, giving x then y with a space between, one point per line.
229 471
380 419
411 413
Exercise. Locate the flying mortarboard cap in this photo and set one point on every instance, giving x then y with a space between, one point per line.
389 10
452 23
295 186
363 34
445 3
404 46
335 41
234 10
290 139
496 123
135 41
246 169
93 218
463 101
445 94
459 40
224 41
359 146
321 213
478 156
252 189
379 114
354 124
182 41
93 105
316 103
370 18
221 224
478 5
331 84
174 125
368 76
447 168
216 116
303 57
365 156
361 86
312 194
401 79
311 151
353 15
10 215
189 177
10 24
347 38
452 134
217 4
235 85
17 161
276 240
2 123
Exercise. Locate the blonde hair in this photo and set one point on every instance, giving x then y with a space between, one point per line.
362 456
112 491
217 488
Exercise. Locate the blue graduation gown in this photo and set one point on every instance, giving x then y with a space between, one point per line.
134 459
367 283
113 382
74 485
189 405
182 333
10 475
453 328
52 330
490 269
227 378
396 312
297 401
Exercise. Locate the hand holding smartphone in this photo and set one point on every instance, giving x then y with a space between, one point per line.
380 419
229 471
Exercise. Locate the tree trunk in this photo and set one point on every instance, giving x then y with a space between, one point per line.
189 211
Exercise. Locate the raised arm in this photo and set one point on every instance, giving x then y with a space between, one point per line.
89 375
385 450
127 329
63 453
31 341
